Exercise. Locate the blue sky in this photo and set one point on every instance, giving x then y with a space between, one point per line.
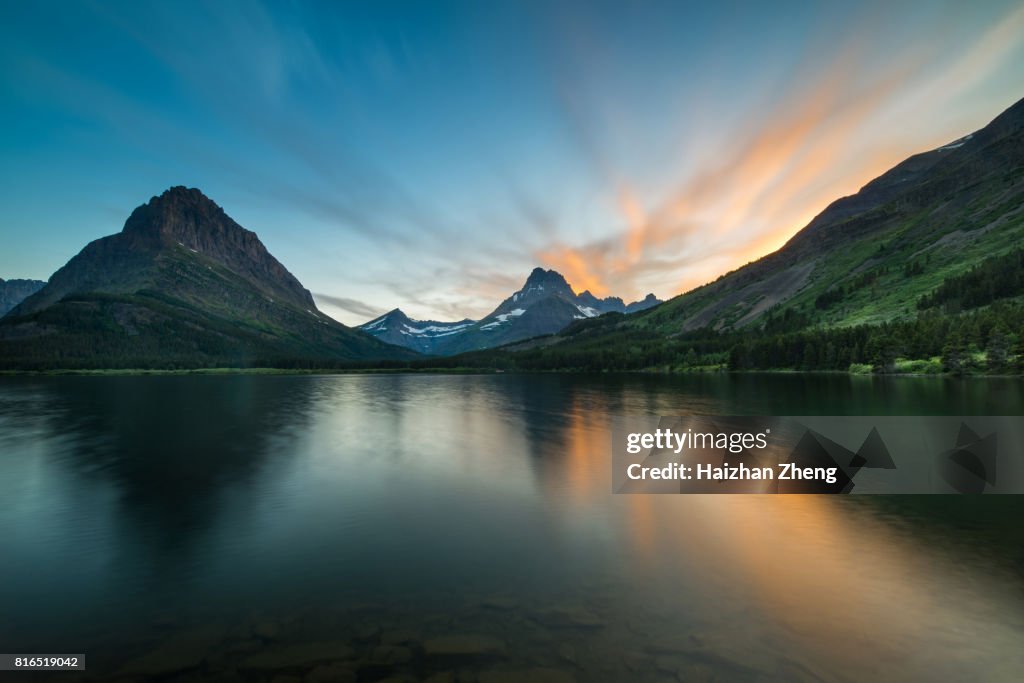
427 155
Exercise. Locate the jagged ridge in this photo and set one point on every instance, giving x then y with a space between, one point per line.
544 304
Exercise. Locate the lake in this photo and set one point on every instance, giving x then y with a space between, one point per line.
462 528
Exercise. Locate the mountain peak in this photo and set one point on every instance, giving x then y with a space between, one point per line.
184 217
178 212
181 196
395 314
546 279
182 192
180 225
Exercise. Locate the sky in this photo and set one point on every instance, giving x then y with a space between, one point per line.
428 155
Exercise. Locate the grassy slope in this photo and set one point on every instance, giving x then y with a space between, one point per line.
993 223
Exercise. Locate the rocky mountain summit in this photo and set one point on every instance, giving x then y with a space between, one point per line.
182 221
183 285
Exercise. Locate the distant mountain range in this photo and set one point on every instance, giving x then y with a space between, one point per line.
869 258
13 292
544 305
182 285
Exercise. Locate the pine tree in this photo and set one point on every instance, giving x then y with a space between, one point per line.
997 352
953 355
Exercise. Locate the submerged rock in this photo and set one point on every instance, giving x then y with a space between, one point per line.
735 653
499 604
390 655
536 675
366 632
670 665
567 652
331 673
463 645
247 645
698 672
299 654
180 653
398 637
266 629
579 617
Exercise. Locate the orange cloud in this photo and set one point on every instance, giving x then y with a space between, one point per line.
578 267
826 140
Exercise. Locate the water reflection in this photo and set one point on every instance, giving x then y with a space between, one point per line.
140 508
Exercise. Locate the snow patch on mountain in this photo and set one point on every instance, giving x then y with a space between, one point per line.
435 330
514 313
955 144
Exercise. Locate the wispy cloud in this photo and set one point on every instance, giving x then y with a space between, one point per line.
821 137
353 306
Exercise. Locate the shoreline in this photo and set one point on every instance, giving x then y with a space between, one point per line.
266 371
247 371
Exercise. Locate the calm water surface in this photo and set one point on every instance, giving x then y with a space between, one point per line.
366 527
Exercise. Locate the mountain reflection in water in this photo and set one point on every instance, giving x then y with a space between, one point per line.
218 527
